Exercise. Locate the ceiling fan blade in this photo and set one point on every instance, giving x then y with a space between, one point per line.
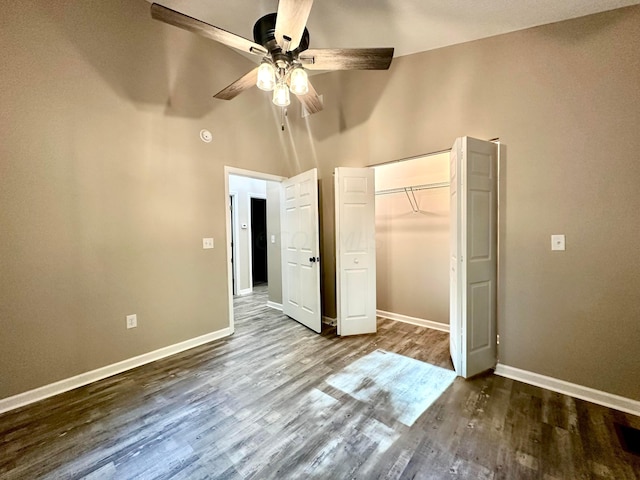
310 100
347 58
291 21
194 25
236 88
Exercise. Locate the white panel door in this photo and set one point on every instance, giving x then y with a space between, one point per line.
355 250
300 249
474 255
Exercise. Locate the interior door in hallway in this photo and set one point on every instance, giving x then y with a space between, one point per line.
355 250
301 249
473 189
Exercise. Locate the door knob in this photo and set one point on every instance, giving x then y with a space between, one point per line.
312 259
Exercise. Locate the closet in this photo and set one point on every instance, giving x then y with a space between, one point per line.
412 240
437 246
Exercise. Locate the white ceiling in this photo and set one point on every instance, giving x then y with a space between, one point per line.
409 26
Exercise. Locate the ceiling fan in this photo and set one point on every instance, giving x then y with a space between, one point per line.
282 40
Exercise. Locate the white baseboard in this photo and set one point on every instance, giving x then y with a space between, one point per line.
598 397
46 391
245 291
443 327
329 321
274 305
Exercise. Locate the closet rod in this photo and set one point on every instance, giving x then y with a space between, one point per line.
412 188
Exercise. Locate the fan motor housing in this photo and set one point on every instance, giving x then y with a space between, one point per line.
264 33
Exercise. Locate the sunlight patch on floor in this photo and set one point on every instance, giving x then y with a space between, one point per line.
400 386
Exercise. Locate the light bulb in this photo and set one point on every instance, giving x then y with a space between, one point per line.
299 81
281 95
266 77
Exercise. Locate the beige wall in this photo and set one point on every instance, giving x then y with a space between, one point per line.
106 189
565 99
412 248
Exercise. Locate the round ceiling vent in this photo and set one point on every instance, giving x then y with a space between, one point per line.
205 136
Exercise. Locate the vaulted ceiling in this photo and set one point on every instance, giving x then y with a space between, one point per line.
409 26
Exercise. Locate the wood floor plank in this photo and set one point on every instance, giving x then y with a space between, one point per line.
257 405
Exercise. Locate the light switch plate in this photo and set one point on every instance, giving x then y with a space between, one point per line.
132 321
207 243
557 242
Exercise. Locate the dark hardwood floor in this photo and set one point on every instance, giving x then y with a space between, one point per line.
255 405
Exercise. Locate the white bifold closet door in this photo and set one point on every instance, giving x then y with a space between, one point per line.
473 279
355 250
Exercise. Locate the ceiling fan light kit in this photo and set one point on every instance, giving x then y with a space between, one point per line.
276 80
282 40
266 76
299 81
281 97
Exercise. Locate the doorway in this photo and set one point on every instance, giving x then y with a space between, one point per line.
258 208
253 235
292 229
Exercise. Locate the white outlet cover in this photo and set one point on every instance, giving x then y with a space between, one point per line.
207 243
557 242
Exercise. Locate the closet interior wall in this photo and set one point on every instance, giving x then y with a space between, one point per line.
412 238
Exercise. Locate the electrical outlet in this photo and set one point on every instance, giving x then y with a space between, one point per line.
132 321
207 243
557 242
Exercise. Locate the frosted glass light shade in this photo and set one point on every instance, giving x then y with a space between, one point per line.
299 81
266 77
281 95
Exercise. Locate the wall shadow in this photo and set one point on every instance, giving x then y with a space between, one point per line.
134 54
339 89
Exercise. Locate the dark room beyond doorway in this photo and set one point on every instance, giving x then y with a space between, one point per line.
259 240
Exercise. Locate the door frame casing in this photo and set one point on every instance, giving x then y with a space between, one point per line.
241 173
233 232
